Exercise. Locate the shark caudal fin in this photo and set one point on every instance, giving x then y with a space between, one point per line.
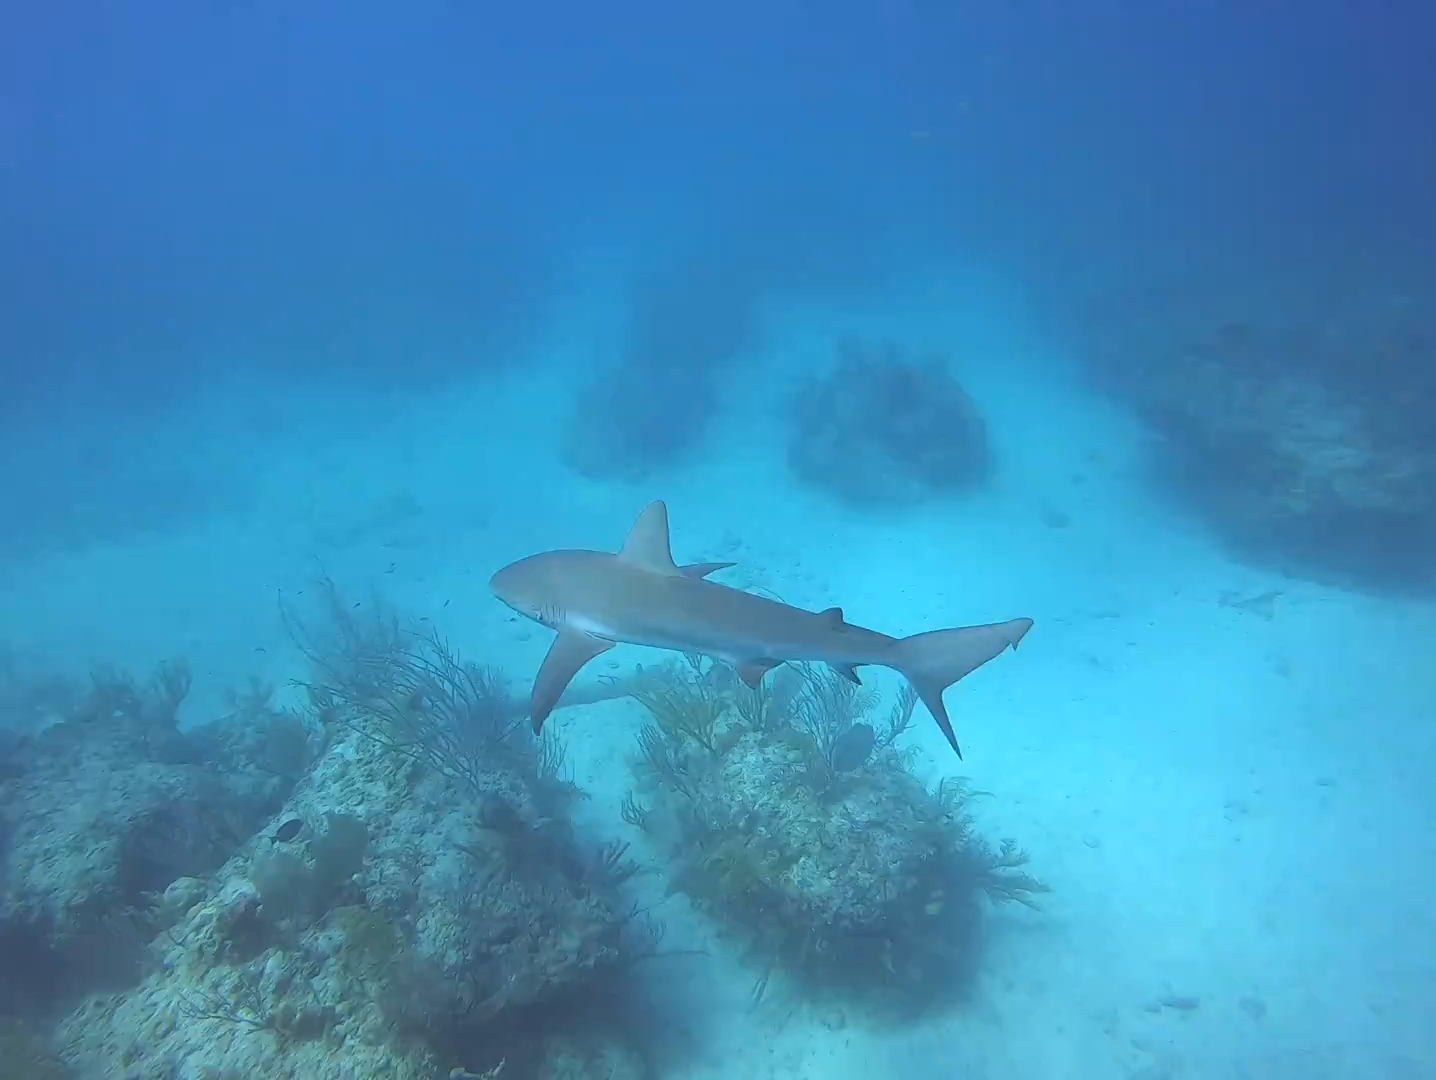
935 660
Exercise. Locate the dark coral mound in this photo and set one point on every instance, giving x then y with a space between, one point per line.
1305 442
791 818
652 408
881 429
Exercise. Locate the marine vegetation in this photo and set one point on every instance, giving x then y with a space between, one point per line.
789 815
882 429
415 903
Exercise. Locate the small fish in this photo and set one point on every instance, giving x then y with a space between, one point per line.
288 831
853 747
457 1073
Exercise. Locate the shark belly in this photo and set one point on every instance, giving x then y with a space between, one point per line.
654 635
729 624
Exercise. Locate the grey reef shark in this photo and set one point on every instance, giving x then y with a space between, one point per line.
595 600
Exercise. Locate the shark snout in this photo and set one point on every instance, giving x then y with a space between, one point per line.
507 585
527 587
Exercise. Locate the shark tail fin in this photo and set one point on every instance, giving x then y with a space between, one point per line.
935 660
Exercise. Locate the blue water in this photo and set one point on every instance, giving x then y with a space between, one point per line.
396 294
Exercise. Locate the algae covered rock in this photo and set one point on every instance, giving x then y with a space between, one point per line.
434 909
806 838
105 809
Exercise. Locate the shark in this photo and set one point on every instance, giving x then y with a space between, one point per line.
638 595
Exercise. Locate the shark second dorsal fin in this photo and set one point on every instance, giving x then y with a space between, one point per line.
647 543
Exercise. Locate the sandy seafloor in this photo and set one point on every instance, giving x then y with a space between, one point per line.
1230 801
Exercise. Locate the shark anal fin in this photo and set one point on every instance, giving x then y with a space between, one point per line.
647 543
703 569
569 652
752 671
848 672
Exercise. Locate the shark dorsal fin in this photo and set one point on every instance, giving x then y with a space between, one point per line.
647 543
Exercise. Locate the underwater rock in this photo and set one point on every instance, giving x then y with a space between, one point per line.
1300 445
109 808
421 925
847 876
881 430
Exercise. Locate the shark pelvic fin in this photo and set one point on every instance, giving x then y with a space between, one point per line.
752 671
569 652
647 543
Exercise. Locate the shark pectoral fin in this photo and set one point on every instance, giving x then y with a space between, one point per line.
752 671
703 569
848 672
647 543
935 660
569 652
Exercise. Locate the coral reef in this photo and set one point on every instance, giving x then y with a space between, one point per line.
689 318
1305 446
378 872
102 810
420 903
881 429
632 421
793 820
